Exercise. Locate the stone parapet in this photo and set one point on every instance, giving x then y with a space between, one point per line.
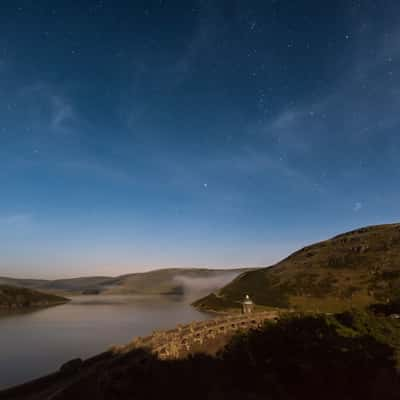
184 339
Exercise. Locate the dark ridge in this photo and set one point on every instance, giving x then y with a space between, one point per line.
352 355
17 298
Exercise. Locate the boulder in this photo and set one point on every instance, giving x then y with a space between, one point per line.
71 366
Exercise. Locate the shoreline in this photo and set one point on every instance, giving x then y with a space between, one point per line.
16 308
163 344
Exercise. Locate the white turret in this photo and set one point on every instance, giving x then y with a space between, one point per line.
247 305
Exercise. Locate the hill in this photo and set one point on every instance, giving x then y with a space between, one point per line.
188 281
16 298
350 270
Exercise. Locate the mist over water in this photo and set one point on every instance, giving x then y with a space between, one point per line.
196 287
36 343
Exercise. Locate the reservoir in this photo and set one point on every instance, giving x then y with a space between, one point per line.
37 342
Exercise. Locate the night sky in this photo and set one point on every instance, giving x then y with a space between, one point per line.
144 134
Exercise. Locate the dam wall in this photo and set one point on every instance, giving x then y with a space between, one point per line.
165 345
185 339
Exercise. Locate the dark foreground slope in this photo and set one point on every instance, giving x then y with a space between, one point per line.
346 356
18 298
353 269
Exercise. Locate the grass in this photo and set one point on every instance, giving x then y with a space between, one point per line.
20 298
354 269
165 281
329 304
352 355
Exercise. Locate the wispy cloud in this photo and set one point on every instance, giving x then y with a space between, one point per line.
48 107
208 28
16 221
356 110
174 67
63 115
99 169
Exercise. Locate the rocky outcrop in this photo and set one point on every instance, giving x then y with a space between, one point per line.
72 366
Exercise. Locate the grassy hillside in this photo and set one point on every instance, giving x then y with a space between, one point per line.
350 270
15 298
163 281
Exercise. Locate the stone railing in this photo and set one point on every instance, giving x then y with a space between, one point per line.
172 344
183 339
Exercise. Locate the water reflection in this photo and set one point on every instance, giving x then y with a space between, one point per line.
37 342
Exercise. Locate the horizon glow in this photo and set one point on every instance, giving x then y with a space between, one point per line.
149 134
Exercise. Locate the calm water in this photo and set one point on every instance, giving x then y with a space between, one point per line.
36 343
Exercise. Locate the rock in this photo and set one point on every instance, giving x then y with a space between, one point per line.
71 366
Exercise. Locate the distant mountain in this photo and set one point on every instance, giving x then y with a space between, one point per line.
188 281
350 270
16 298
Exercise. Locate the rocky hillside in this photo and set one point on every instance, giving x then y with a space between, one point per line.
350 270
17 298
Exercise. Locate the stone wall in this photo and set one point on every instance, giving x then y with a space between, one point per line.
185 338
171 344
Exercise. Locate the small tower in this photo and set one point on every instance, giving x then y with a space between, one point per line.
247 305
